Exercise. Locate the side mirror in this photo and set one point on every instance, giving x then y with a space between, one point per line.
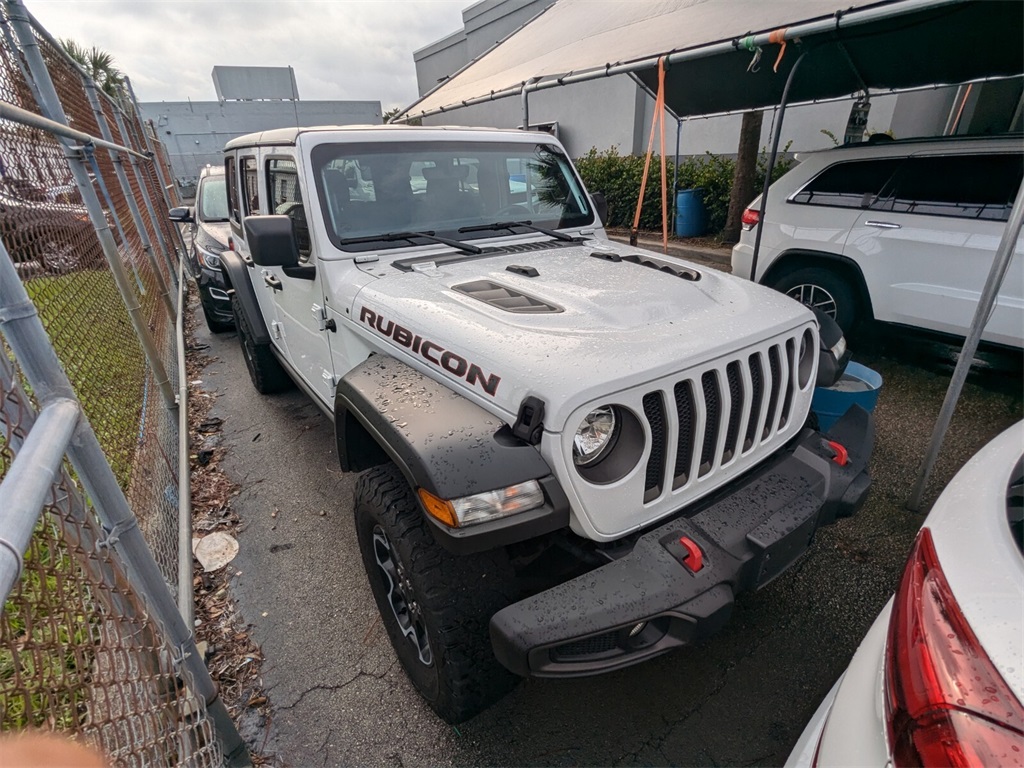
601 204
833 354
181 215
272 241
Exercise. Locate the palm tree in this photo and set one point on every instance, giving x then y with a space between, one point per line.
99 65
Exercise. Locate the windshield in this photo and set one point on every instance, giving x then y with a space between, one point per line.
213 199
440 187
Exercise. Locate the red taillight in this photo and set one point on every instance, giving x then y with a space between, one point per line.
946 703
750 218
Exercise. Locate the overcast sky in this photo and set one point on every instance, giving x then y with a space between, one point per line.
340 49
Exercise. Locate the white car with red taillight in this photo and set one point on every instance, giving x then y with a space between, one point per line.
939 677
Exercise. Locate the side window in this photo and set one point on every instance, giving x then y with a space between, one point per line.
250 185
848 185
229 174
286 199
963 186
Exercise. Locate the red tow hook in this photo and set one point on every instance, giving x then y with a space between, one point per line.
694 559
841 456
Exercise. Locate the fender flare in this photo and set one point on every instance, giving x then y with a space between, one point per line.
443 443
236 271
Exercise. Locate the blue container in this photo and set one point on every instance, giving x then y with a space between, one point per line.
859 385
691 217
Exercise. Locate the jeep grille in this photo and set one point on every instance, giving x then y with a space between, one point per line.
730 403
704 427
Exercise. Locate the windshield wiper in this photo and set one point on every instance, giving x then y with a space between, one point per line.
524 225
391 236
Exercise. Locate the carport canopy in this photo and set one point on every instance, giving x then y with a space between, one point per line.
730 55
709 45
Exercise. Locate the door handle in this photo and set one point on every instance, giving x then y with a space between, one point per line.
272 281
883 224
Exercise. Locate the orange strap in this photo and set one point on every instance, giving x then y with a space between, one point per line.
659 119
778 36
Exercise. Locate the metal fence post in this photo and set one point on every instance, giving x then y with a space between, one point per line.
51 107
122 178
144 190
27 338
164 186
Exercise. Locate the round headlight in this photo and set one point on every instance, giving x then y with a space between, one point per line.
594 436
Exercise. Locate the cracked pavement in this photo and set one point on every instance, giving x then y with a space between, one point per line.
340 698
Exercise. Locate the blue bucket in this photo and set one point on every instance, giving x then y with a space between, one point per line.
691 217
859 385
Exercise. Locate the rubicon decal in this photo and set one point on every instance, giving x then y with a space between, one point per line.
431 351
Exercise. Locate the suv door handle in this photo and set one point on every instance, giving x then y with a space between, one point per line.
272 281
883 224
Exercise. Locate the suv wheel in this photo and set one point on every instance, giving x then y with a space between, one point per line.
822 289
435 606
265 371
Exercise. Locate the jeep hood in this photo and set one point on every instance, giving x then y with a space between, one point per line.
594 324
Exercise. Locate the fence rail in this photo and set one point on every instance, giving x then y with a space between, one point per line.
95 520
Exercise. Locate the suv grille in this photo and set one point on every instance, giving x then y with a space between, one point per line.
731 404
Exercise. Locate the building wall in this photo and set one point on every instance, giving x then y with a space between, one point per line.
195 132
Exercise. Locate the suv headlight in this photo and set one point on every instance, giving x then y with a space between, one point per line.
595 436
208 258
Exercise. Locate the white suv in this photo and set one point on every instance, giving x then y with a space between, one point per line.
897 231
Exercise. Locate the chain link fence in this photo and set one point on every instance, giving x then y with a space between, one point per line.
95 525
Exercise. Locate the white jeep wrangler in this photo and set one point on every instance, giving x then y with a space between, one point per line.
574 453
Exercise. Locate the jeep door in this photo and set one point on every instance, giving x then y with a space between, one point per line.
926 244
244 200
298 293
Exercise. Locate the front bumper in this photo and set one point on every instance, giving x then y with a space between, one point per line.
213 293
746 535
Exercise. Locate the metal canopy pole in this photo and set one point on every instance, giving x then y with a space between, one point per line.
986 304
771 163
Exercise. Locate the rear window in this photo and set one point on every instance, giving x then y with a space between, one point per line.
963 186
852 184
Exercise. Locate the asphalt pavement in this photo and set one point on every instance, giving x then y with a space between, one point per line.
339 697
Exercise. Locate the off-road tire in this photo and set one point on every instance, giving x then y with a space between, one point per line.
452 598
811 284
265 371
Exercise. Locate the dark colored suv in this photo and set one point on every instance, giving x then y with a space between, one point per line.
209 230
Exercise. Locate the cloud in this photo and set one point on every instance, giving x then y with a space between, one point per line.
345 49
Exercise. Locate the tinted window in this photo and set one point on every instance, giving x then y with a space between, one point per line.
250 185
232 187
965 186
848 185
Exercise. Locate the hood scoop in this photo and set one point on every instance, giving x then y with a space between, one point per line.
503 297
646 261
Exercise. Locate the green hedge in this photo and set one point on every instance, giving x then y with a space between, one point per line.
618 177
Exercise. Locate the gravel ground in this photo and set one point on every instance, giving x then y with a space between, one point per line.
337 696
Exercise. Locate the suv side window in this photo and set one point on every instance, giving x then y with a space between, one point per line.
852 184
286 199
229 174
250 185
964 186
